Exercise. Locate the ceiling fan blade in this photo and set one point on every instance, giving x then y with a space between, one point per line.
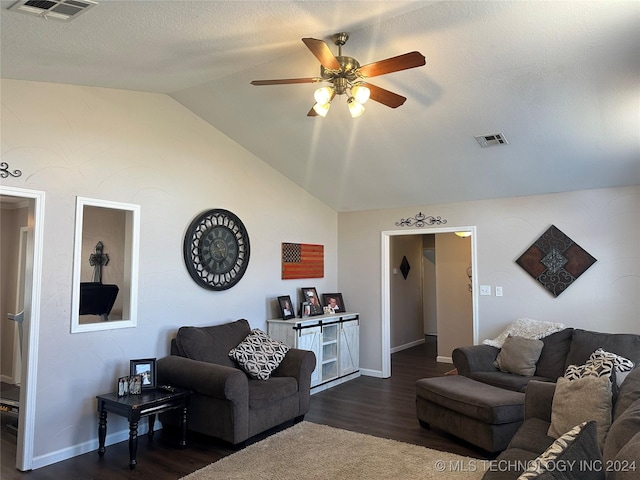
385 97
393 64
286 81
322 53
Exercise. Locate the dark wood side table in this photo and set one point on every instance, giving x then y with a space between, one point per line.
134 407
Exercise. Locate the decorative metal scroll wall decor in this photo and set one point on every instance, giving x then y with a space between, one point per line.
4 171
555 261
420 220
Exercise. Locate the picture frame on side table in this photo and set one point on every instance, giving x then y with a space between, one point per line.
135 385
123 386
333 301
309 294
146 369
287 310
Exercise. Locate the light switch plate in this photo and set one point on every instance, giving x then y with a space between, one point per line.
498 291
485 289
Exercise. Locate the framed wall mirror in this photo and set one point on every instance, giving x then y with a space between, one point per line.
105 265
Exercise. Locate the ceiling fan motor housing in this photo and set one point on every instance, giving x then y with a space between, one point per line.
343 78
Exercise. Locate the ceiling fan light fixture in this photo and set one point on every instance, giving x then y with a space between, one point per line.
322 108
323 95
355 107
360 93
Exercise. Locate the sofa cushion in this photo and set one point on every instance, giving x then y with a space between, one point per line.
259 354
584 343
554 354
508 381
577 401
263 393
626 466
506 466
569 452
629 392
519 355
532 436
490 405
212 344
622 430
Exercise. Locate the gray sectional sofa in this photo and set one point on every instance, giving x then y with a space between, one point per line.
621 453
567 347
621 448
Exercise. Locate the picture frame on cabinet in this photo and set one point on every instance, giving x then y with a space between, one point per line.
305 309
310 295
333 301
287 310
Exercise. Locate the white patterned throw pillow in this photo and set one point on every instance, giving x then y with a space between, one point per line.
622 365
569 457
258 354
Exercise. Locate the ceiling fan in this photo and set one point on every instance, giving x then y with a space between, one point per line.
346 76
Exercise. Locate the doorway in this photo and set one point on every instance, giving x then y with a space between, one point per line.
30 282
387 271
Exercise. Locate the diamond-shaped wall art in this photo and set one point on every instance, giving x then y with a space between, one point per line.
555 261
405 267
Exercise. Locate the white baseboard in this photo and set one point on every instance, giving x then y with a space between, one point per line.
399 348
371 373
89 446
6 379
444 359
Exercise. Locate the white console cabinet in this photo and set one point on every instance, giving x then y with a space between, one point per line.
334 339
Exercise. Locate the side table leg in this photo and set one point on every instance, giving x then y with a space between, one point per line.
183 427
133 444
102 432
152 421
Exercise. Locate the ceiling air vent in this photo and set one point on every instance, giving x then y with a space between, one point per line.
491 140
64 10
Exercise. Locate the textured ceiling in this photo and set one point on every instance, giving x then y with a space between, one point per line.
561 80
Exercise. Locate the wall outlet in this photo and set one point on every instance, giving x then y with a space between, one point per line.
485 289
498 291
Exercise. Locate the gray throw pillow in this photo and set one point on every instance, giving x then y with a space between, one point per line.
581 400
519 355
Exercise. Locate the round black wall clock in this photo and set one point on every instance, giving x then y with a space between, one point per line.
216 249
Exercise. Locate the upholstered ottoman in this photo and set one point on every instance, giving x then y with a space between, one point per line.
481 414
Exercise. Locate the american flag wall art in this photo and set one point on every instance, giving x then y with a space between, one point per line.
302 260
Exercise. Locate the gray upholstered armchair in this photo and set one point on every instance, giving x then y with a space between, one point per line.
227 403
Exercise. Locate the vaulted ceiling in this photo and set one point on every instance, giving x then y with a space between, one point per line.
560 80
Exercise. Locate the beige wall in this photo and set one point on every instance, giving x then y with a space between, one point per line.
406 294
454 301
430 285
605 222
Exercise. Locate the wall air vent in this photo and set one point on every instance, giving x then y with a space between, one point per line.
64 10
491 140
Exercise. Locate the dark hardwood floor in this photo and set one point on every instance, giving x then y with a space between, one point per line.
380 407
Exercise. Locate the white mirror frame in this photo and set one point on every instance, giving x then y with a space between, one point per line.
130 289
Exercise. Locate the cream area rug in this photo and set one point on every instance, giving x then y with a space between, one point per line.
311 451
